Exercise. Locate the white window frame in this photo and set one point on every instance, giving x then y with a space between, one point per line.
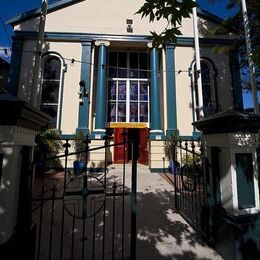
46 58
128 101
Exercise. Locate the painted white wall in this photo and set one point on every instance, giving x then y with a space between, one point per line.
12 138
86 17
229 145
183 59
70 106
26 70
68 51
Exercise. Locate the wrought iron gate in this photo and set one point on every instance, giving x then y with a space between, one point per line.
191 182
84 216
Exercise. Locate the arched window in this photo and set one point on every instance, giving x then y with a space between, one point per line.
51 87
209 92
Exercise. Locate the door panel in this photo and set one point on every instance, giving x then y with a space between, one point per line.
119 149
143 142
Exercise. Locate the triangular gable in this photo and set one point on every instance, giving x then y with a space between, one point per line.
65 3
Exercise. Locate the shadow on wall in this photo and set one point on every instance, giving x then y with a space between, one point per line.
25 75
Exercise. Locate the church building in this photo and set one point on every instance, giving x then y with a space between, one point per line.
99 71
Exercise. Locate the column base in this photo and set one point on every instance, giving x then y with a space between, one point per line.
196 135
85 130
98 134
172 132
156 135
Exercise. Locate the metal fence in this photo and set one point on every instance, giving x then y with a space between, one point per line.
191 181
87 215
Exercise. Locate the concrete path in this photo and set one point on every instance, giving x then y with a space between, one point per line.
161 233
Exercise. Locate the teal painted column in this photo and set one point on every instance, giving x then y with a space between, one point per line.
171 91
14 73
155 114
83 117
101 90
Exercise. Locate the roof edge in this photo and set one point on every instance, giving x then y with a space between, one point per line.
35 12
212 17
64 3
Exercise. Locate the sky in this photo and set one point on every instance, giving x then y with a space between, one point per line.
10 8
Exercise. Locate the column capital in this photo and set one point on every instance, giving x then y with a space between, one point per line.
150 45
102 42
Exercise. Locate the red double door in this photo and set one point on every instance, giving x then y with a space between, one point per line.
140 135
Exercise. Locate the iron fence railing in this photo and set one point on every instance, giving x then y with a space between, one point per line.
87 215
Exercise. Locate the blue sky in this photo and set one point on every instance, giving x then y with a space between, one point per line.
10 8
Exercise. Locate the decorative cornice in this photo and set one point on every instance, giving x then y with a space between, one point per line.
87 37
229 122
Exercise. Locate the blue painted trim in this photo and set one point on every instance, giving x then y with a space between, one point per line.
94 134
236 81
196 135
14 72
155 115
36 12
154 136
68 136
79 37
172 132
101 88
83 116
171 89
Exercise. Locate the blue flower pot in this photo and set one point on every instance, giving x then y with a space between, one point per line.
78 167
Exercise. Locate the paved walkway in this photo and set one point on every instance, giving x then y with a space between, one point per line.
161 233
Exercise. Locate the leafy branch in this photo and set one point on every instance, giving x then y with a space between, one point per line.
173 11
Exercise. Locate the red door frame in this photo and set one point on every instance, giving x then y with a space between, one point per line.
143 146
119 149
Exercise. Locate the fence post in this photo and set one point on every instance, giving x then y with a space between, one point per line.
133 202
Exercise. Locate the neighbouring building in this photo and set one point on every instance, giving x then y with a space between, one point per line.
4 70
99 71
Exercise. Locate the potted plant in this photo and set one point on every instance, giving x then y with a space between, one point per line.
79 144
170 152
49 145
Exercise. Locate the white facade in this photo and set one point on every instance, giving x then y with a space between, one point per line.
71 35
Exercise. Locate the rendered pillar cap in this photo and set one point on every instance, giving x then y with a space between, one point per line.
229 122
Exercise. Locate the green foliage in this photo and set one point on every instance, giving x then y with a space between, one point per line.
170 146
171 10
191 160
235 24
49 142
80 145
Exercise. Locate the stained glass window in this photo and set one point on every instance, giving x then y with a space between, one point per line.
127 87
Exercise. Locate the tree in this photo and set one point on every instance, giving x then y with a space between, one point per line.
175 10
235 24
171 10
